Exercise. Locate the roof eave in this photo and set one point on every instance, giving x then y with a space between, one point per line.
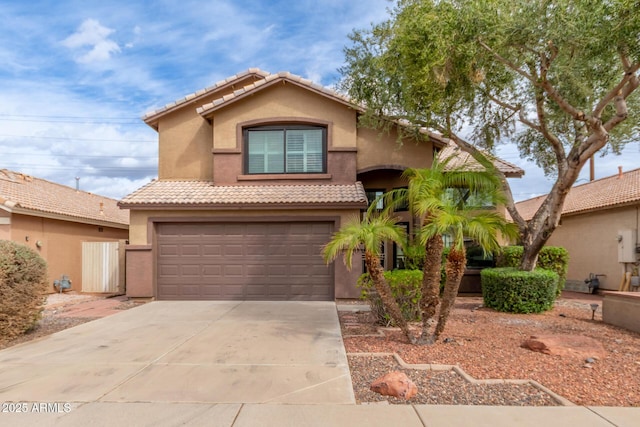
207 112
69 218
153 119
602 208
243 206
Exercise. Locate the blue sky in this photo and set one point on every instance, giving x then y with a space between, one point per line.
76 76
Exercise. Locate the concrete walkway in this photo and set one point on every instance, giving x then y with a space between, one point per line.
321 415
224 364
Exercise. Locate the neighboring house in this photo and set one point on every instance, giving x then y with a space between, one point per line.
255 174
55 220
599 228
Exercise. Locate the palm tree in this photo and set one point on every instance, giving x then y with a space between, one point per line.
424 186
371 232
445 199
463 223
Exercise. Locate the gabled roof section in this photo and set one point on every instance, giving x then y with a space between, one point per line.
270 80
190 194
228 84
604 193
24 194
462 159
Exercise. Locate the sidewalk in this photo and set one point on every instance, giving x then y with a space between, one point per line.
273 415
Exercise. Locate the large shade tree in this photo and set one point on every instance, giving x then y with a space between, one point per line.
558 77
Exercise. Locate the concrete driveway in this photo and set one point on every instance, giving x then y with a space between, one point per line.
187 351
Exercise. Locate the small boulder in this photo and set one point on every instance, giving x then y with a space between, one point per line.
566 345
395 384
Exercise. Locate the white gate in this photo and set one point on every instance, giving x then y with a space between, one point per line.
100 267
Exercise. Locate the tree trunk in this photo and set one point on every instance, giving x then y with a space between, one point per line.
384 291
455 265
538 229
430 290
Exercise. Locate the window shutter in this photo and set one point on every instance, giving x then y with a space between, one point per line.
265 152
304 150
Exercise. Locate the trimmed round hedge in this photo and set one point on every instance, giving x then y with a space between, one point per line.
511 290
554 258
23 284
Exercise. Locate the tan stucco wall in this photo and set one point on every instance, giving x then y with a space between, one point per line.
5 225
286 101
61 243
184 146
142 242
591 241
376 149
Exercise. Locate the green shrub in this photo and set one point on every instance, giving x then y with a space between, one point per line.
511 290
552 258
405 287
414 257
23 283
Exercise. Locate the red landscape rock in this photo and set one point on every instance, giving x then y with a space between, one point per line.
395 384
566 345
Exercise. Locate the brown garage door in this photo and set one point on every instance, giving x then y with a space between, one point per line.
243 261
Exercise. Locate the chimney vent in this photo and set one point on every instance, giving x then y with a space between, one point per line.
619 172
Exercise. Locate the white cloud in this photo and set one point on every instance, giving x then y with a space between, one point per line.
92 34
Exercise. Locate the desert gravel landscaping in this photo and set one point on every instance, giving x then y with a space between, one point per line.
487 345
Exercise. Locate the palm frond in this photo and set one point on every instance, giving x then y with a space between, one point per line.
369 232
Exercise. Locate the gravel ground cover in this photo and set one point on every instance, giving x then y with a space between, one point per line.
440 387
486 345
53 319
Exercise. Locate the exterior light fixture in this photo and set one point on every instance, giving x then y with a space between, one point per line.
594 307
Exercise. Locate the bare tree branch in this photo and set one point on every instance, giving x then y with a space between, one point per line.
523 119
506 105
630 71
555 142
506 62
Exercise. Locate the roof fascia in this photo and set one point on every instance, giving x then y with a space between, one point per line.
243 206
152 119
69 218
206 113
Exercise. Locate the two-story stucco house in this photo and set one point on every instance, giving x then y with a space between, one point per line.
255 174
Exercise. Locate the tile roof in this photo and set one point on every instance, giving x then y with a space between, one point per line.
462 159
25 194
205 194
609 192
269 80
193 97
263 79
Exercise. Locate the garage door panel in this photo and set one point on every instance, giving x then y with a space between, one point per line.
256 270
211 250
236 261
233 249
233 271
190 250
211 270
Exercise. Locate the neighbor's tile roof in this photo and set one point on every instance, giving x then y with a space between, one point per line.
612 191
462 159
23 193
205 193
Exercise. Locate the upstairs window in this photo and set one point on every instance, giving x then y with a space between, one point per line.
283 149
